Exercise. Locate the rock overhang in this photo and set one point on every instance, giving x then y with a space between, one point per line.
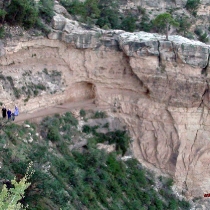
139 44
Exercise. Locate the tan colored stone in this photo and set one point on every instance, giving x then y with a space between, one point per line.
152 85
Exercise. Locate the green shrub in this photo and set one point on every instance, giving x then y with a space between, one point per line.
121 139
189 35
2 32
90 129
141 10
145 24
9 78
128 23
109 17
17 92
91 9
146 199
40 86
192 6
82 113
204 37
2 15
173 205
159 204
118 137
115 167
66 127
74 7
69 118
57 121
38 153
198 31
2 77
152 207
67 137
86 129
184 204
55 73
43 27
106 27
36 92
63 148
11 130
19 166
45 71
184 24
46 10
48 122
169 183
99 114
106 125
53 134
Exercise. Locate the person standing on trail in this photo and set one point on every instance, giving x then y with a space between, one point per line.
4 112
9 113
13 116
16 112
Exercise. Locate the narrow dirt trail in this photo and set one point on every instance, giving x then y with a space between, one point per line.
37 115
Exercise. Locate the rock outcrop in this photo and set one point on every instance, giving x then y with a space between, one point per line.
158 88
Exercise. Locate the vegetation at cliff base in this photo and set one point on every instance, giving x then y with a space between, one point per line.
27 13
69 176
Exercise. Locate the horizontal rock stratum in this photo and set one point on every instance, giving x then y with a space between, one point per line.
158 88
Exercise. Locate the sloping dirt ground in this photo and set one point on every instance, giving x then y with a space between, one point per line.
36 116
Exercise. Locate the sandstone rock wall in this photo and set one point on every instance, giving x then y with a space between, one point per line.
159 88
172 131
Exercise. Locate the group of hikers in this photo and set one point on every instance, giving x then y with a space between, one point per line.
7 113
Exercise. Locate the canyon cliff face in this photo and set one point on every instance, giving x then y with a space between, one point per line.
158 88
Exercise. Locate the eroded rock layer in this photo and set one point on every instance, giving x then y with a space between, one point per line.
159 88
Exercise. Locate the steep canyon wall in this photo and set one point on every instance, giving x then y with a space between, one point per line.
158 88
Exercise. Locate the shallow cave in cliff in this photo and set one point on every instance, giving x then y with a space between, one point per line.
81 91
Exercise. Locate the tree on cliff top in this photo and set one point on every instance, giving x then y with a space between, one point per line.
164 21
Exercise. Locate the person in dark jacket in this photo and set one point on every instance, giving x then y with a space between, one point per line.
4 112
9 113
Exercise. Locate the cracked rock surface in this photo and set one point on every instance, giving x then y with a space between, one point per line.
159 88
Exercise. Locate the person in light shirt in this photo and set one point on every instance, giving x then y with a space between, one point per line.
16 112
